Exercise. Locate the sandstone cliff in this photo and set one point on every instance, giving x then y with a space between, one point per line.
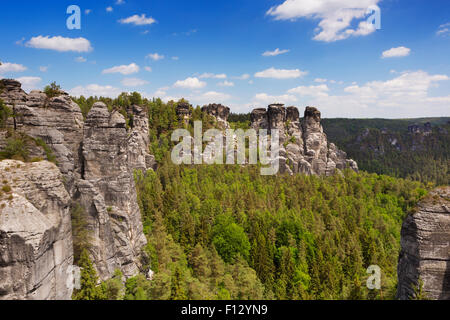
107 191
220 112
304 145
96 157
425 254
36 251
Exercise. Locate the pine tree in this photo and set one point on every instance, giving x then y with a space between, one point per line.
89 279
178 291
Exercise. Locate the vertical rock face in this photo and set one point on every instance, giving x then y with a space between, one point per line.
276 115
220 112
11 92
139 142
57 121
108 192
303 144
425 253
184 112
97 158
316 144
259 119
36 251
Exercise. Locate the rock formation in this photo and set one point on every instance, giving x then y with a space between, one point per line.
97 158
36 251
184 112
220 112
425 253
57 121
107 191
304 146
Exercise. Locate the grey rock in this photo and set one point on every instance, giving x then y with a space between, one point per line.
259 119
425 253
139 155
220 112
97 159
36 251
184 112
304 142
108 191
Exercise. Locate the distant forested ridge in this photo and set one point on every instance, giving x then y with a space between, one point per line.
417 149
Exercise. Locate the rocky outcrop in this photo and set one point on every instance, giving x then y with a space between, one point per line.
108 193
36 253
304 147
184 112
426 129
57 121
220 112
139 141
425 253
97 159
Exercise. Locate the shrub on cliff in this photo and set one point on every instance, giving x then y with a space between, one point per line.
89 279
52 90
5 113
16 149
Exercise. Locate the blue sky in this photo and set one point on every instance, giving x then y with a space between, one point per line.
242 53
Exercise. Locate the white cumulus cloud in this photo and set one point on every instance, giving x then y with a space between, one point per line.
280 73
155 56
213 96
315 91
405 96
396 52
138 20
335 16
60 44
7 67
190 83
274 53
226 84
213 76
123 69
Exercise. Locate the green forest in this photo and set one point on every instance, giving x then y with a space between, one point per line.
218 232
387 147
